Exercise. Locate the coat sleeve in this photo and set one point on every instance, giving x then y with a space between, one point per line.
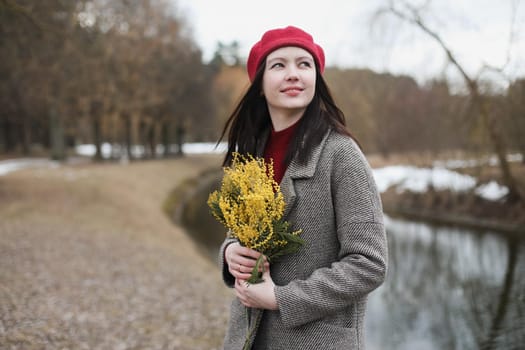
227 277
362 256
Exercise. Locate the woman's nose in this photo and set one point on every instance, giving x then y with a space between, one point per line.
291 73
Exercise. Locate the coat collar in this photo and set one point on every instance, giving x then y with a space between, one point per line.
300 171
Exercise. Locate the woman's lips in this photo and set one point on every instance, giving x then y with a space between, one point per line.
292 91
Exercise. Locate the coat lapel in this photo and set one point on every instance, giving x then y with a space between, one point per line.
299 171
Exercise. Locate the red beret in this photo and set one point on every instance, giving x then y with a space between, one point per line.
277 38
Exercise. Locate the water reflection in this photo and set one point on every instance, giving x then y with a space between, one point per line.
449 288
198 221
446 288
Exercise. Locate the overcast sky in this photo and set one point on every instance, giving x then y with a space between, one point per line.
478 32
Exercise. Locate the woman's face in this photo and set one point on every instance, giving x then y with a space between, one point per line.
289 80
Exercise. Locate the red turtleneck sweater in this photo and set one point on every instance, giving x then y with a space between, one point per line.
276 149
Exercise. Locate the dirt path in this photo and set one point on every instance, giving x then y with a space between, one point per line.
88 260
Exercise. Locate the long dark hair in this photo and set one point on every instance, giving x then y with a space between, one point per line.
251 116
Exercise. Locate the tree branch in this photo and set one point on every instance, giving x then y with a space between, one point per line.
415 19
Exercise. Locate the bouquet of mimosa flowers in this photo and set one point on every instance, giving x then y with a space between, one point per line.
249 203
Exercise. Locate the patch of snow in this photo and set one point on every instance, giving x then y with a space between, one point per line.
108 150
409 178
413 179
204 148
470 163
9 165
492 191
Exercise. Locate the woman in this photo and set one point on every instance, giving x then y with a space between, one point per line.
315 298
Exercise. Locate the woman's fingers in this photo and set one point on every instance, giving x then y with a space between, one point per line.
247 252
235 249
242 260
241 270
241 292
241 274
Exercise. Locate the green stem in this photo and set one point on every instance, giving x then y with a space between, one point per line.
254 324
256 276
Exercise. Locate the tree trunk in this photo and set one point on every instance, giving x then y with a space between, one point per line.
499 148
127 135
56 133
151 140
96 113
166 138
97 138
180 140
143 137
26 135
4 126
9 136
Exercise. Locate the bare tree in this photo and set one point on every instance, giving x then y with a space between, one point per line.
97 70
479 102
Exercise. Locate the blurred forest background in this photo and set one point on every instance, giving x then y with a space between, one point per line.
128 73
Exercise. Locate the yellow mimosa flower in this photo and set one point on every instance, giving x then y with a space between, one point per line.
250 205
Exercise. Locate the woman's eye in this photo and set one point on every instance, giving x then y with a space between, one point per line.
305 64
277 65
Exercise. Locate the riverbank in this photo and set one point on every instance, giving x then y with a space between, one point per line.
89 260
466 208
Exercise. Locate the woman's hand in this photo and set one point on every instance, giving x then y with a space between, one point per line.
241 260
259 295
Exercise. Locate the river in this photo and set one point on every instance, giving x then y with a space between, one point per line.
446 287
449 288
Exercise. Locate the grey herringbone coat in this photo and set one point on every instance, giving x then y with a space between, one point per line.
322 290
